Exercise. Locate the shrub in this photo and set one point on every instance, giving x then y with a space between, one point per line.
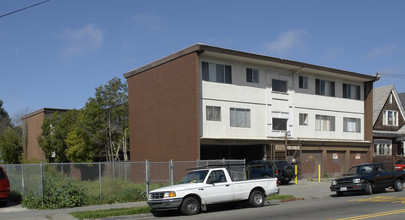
31 201
59 192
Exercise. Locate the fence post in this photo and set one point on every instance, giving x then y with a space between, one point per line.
42 182
171 171
113 169
147 177
22 179
99 177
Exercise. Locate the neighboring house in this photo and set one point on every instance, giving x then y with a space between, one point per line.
388 125
206 102
31 129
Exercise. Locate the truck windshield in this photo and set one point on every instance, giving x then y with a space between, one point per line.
360 170
195 177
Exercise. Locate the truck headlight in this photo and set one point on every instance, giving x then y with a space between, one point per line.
334 182
169 194
357 180
149 196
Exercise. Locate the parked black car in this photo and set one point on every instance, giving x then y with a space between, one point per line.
281 169
367 178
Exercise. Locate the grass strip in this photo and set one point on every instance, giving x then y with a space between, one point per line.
110 212
280 197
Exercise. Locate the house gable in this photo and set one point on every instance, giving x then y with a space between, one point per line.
392 103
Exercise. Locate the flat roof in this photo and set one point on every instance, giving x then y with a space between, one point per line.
201 48
43 110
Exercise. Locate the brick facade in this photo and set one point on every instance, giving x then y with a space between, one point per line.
168 126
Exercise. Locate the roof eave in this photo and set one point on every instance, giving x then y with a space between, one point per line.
202 47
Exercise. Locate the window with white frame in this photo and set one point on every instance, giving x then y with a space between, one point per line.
324 123
382 147
303 82
352 125
303 119
280 124
252 75
351 91
213 113
324 87
390 118
240 117
279 85
216 72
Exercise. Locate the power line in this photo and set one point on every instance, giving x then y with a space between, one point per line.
392 75
24 8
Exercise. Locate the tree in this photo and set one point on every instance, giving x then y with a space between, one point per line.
5 120
113 100
101 127
11 146
54 133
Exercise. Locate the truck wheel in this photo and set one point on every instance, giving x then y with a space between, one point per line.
256 199
369 189
190 206
398 185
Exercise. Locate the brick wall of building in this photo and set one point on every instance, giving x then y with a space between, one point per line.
164 111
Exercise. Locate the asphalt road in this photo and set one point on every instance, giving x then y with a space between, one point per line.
384 205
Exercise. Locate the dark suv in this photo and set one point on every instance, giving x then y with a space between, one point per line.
281 169
4 187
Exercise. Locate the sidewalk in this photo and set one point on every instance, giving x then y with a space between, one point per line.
305 189
18 212
308 189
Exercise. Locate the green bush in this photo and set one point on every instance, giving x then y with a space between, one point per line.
59 192
31 201
62 191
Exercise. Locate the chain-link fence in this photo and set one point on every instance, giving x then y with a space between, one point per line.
101 178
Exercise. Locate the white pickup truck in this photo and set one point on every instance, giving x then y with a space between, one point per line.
210 186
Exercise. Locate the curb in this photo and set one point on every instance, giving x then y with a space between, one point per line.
291 200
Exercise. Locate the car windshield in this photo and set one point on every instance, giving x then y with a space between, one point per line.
360 170
195 177
400 162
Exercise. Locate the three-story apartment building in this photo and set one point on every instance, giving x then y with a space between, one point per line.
207 102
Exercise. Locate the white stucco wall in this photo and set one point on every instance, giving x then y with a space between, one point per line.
265 104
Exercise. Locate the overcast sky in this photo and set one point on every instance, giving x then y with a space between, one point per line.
55 54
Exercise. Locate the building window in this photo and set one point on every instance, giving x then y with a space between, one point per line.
213 113
324 87
390 118
390 99
252 75
351 125
303 119
240 117
303 82
351 91
280 124
324 123
216 72
382 147
279 85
